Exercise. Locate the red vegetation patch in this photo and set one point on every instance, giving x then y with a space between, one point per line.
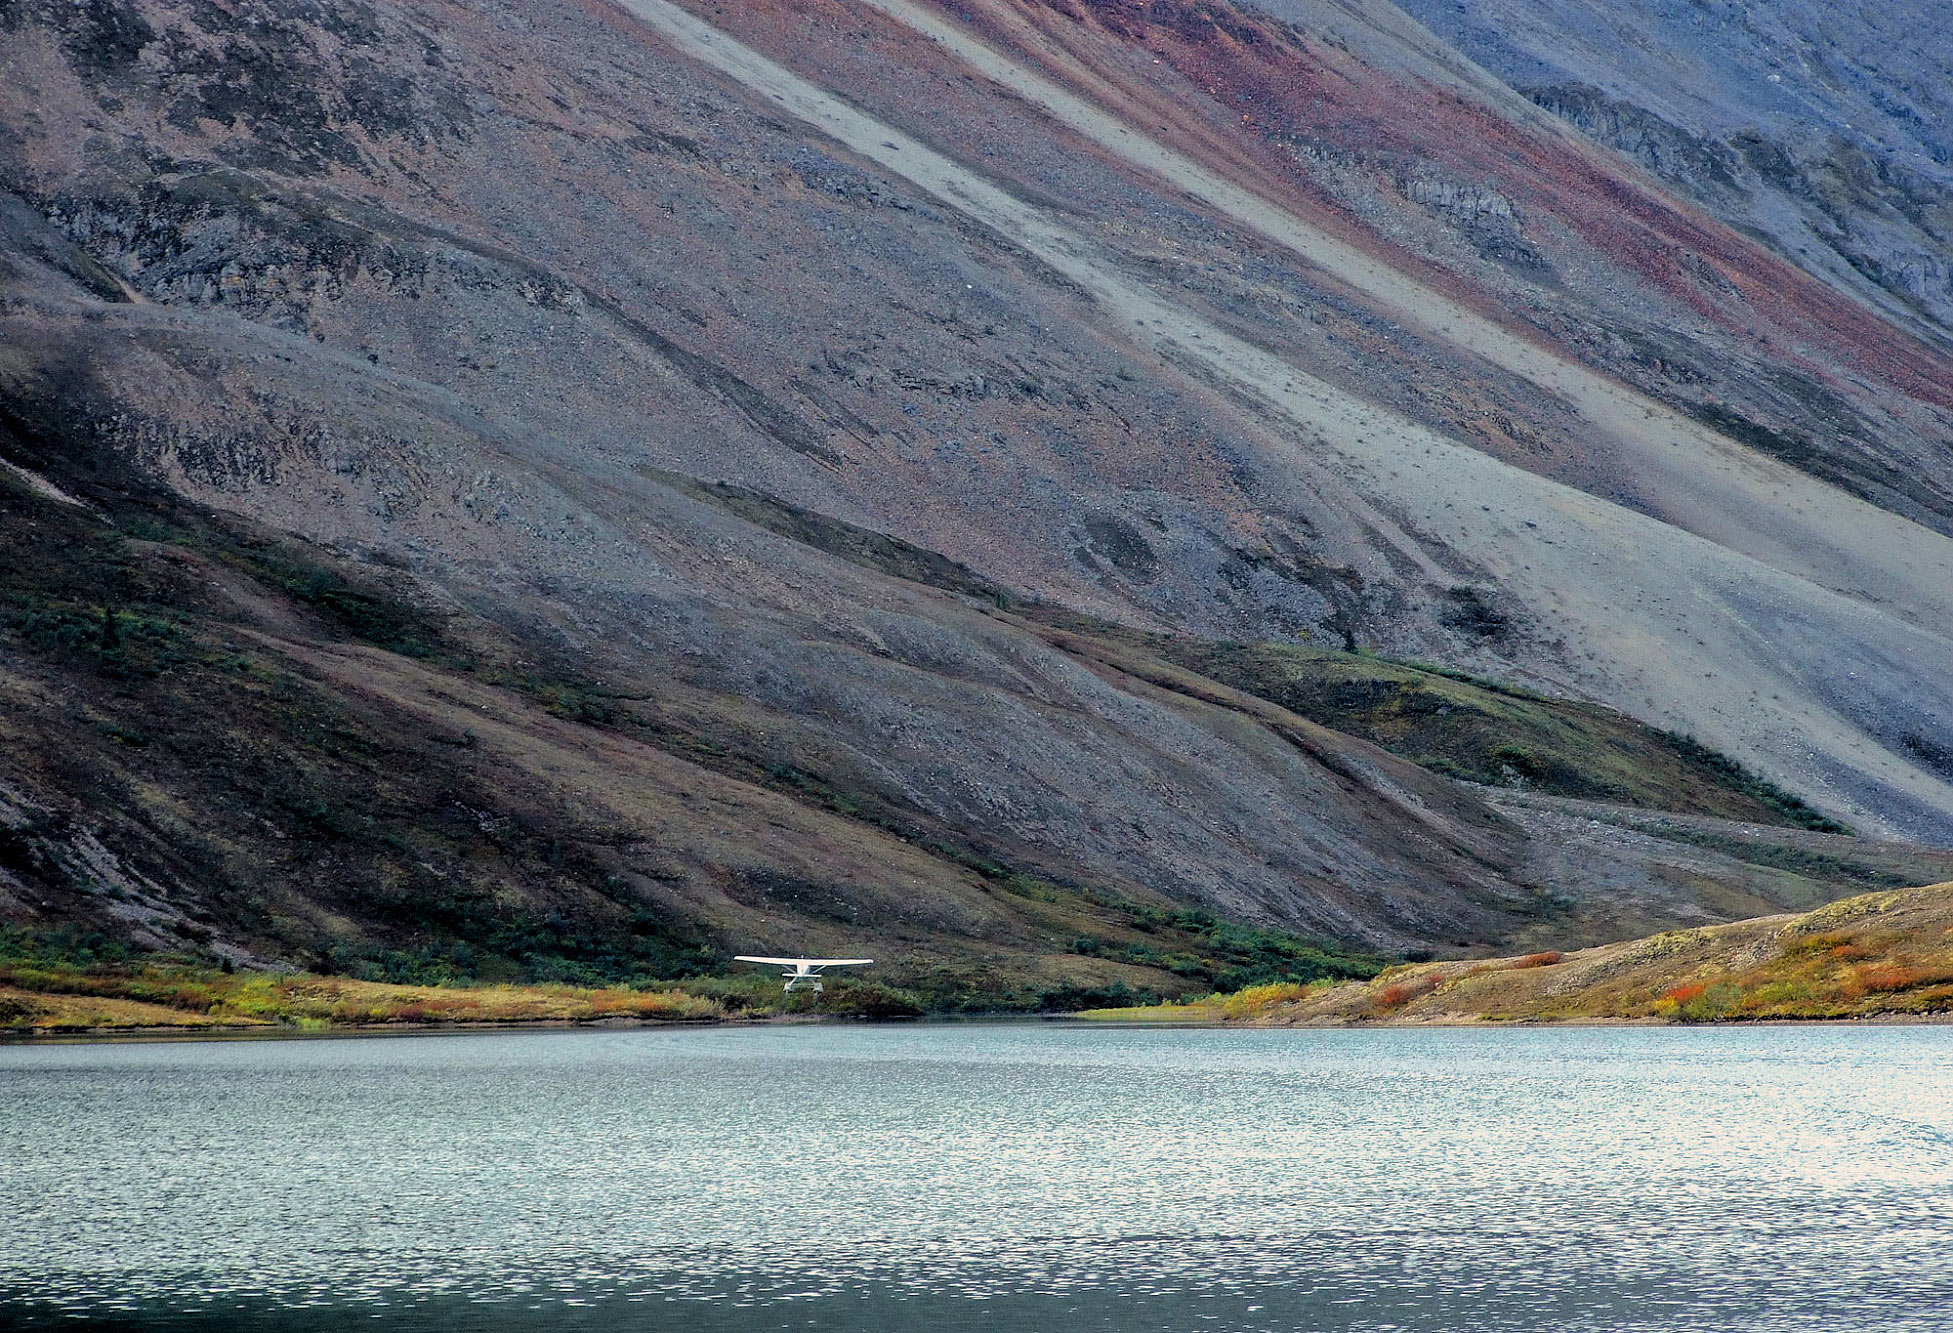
1683 994
1402 993
1546 959
1896 977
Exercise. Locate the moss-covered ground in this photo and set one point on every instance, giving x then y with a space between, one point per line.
1495 733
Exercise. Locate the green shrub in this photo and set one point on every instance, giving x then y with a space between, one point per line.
870 999
1734 774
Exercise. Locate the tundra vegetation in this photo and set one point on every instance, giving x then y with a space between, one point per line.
66 983
1877 955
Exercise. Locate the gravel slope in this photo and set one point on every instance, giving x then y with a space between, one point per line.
1823 126
1760 554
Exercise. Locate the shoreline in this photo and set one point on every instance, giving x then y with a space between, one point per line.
284 1032
1497 1024
1877 958
293 1032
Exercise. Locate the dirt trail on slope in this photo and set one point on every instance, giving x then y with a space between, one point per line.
1748 631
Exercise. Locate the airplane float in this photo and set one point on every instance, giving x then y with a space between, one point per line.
804 969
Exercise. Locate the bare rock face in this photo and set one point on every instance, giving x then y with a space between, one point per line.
1178 316
1822 127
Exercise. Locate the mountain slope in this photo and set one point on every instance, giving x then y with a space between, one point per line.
926 361
1171 316
250 749
1822 127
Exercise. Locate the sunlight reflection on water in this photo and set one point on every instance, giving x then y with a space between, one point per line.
988 1176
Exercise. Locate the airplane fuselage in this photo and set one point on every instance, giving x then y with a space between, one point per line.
804 970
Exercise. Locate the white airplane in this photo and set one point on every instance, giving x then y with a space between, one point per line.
804 969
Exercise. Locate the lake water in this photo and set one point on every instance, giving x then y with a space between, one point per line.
986 1177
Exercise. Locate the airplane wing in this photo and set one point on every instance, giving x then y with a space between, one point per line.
804 962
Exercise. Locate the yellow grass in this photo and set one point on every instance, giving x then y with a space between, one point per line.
1877 955
70 1013
64 999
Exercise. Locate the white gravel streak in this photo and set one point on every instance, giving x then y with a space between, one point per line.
1741 621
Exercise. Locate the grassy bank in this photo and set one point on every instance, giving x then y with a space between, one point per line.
124 997
1879 955
164 998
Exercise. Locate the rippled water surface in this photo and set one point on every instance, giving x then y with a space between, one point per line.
987 1177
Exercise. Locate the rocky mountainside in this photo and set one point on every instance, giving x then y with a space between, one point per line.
1825 129
665 475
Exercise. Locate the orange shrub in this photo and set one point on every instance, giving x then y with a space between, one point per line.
1403 992
1894 977
1683 994
1546 959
